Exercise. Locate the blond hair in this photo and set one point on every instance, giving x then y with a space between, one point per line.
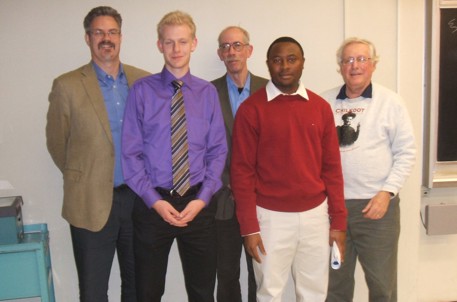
176 18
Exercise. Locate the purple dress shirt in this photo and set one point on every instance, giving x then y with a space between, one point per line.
146 136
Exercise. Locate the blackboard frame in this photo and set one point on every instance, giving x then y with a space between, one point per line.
440 162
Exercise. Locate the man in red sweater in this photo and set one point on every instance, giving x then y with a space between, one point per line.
287 180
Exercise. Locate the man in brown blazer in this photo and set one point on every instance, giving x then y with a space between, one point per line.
233 88
83 130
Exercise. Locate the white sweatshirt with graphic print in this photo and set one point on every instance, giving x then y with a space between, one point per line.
378 151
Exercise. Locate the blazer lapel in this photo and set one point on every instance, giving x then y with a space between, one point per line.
130 75
225 105
257 83
95 96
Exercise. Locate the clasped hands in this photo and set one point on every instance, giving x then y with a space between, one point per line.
176 218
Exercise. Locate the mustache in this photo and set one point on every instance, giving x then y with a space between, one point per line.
230 59
104 43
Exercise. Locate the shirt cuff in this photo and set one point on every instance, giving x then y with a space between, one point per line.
250 234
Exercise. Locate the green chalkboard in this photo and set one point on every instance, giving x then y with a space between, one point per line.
447 109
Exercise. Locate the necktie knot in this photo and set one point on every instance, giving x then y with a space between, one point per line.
177 84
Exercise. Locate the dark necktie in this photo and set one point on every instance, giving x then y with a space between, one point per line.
179 145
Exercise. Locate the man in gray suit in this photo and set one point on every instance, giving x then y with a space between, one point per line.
233 88
83 132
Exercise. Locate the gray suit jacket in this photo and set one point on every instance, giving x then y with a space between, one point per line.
224 198
78 138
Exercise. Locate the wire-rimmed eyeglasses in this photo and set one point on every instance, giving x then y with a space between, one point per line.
351 60
98 33
237 46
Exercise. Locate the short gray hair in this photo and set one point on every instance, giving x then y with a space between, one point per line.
243 31
355 40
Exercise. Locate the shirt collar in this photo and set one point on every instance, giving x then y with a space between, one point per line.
367 93
233 87
168 77
273 91
102 75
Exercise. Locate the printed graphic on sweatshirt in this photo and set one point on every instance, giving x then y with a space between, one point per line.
347 133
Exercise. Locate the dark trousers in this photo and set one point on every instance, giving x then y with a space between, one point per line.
229 246
94 252
153 238
374 243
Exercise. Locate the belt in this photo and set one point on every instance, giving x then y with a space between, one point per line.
121 188
193 190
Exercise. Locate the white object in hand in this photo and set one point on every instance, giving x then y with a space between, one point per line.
335 259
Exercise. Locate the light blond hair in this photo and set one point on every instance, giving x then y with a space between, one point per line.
176 18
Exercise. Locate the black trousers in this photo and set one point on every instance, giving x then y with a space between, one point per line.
229 248
153 238
94 252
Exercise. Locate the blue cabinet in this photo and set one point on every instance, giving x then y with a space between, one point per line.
25 267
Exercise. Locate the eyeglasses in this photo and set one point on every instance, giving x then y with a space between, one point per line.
351 60
237 46
113 33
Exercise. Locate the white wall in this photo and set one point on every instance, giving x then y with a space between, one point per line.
39 40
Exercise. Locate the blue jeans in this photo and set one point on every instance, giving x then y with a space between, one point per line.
375 244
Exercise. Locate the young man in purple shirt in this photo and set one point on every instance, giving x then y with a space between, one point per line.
161 215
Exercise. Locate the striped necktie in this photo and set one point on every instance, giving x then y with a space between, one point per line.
179 145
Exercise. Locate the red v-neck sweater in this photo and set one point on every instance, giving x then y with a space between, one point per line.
285 157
